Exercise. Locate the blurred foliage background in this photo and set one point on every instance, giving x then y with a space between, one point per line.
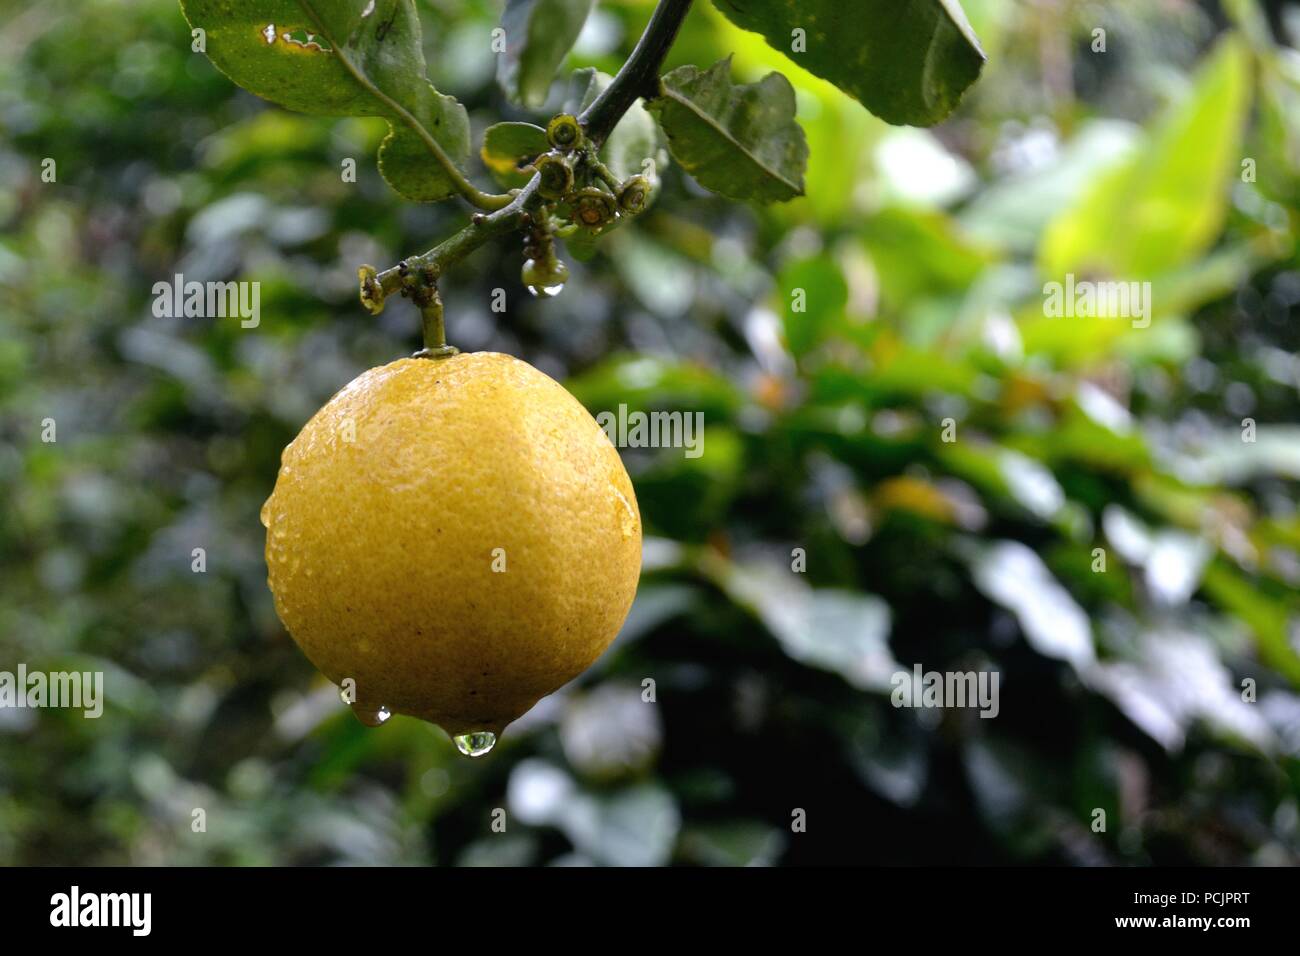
923 254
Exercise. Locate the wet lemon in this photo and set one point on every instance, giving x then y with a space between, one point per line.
457 536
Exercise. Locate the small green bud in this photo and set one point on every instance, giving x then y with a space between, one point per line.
593 208
635 194
556 176
564 132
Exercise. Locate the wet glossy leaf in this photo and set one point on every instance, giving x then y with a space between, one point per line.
1177 678
1012 575
733 843
633 826
846 633
740 141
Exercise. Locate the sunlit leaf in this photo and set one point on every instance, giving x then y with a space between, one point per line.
832 630
1014 211
1167 201
1177 678
908 61
919 254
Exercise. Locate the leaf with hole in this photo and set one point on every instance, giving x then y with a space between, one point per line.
341 58
740 141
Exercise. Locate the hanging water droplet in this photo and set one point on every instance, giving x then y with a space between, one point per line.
371 716
545 277
475 744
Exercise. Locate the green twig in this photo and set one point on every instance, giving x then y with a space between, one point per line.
639 76
481 228
604 172
418 276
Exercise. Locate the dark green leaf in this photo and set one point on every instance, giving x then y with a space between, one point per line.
276 49
908 61
740 141
539 35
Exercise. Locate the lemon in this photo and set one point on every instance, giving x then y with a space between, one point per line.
457 536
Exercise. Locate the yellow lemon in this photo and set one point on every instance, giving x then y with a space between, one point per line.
457 536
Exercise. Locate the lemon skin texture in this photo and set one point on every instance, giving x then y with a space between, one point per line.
457 535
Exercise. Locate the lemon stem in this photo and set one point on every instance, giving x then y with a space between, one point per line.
435 330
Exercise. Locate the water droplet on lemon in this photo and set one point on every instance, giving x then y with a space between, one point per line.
475 744
371 716
627 518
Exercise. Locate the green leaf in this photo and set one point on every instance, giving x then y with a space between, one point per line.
507 147
1014 211
1167 202
740 141
919 254
839 631
908 61
813 296
636 137
539 35
277 50
649 383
